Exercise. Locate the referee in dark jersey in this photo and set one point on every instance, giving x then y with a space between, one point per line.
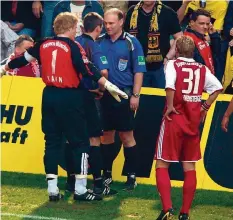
93 24
64 64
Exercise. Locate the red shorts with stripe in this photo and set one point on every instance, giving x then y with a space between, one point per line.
175 143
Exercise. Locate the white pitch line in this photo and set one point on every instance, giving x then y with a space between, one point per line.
32 216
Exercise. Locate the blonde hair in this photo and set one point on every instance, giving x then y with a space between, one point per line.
64 21
115 11
185 46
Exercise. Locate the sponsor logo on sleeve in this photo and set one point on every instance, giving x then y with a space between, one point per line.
104 60
141 60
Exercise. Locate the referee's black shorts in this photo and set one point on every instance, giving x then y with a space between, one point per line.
92 113
116 115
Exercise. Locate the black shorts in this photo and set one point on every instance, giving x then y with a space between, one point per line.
92 112
116 115
63 117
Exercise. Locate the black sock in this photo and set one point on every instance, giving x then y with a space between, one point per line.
70 178
96 161
130 154
98 182
69 160
109 152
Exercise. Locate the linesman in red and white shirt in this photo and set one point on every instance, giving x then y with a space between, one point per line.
179 139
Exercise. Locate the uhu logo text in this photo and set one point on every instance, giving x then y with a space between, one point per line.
22 116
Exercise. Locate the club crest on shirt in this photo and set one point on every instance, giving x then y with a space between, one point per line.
122 64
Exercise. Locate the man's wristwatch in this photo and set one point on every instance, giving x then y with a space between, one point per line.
136 95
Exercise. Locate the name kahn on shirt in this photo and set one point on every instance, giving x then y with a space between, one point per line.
55 79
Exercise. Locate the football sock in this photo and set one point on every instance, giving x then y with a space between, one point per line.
52 186
80 185
69 159
98 182
96 161
189 188
130 159
164 187
109 153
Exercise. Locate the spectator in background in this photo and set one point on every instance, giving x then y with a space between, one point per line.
205 52
8 38
45 10
153 36
217 10
228 31
122 5
19 17
175 5
130 3
180 8
80 8
32 69
228 22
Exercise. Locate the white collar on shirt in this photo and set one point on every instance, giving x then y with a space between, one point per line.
186 59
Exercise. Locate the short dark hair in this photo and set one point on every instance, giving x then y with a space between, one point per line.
91 21
116 11
23 38
199 12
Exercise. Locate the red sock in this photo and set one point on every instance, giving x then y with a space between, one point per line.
164 187
189 188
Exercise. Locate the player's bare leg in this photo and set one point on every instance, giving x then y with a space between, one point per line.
164 188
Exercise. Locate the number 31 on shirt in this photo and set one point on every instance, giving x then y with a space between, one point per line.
193 85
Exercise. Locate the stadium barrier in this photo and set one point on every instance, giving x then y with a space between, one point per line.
23 142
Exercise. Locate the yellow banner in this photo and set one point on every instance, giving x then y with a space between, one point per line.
23 141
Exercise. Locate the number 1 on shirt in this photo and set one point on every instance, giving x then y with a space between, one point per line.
54 57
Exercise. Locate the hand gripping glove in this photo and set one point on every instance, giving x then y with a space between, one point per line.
115 91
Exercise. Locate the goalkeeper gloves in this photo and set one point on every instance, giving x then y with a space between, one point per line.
115 91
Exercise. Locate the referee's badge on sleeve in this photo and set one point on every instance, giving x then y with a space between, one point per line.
122 64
